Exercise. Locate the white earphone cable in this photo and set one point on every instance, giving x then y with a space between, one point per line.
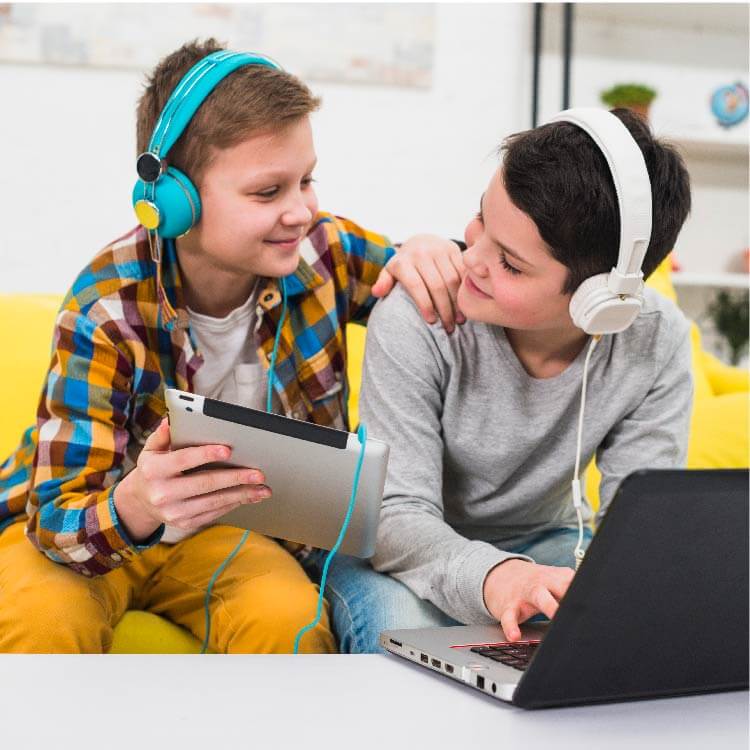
576 484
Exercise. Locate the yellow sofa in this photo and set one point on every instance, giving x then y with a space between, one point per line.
718 437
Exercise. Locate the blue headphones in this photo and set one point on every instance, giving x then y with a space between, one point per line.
164 199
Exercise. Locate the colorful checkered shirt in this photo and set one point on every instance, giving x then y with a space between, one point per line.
122 336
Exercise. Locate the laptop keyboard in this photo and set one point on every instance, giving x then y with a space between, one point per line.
516 655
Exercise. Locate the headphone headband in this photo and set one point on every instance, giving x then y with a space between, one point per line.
192 91
632 185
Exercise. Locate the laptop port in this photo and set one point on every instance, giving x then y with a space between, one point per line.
396 643
494 688
480 682
449 668
425 659
436 663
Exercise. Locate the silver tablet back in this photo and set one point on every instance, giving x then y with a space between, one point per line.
309 468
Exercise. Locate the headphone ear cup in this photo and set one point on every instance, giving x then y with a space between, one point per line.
178 202
596 310
174 208
587 295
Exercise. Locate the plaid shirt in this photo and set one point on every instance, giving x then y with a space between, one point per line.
122 336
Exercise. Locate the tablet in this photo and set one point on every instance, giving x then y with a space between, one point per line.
309 468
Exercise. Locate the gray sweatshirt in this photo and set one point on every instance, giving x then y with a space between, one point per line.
481 452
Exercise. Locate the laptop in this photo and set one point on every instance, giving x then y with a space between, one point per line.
659 606
309 468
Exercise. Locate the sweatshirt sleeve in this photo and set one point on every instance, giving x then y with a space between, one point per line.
401 403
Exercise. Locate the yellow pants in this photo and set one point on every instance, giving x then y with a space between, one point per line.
258 603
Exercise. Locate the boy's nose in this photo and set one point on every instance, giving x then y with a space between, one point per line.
297 213
474 262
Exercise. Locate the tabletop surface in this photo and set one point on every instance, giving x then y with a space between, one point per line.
373 701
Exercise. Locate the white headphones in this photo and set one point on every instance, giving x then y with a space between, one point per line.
610 302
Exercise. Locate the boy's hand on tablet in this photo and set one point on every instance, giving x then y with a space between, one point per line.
157 491
429 268
516 590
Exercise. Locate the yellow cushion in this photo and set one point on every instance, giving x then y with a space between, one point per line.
724 378
145 633
719 432
26 326
355 353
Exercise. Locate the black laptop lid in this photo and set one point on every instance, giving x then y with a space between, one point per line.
660 604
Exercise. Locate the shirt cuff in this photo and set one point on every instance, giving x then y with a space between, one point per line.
471 577
118 526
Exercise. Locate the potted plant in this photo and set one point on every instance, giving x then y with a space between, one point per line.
633 96
729 314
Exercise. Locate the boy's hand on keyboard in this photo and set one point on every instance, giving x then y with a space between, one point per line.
516 590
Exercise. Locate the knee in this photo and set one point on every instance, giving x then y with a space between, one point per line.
371 602
41 619
270 622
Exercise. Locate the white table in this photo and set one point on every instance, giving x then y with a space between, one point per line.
312 702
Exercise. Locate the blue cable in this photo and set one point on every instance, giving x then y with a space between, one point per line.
361 434
207 599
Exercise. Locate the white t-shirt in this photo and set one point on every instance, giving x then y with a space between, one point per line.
231 370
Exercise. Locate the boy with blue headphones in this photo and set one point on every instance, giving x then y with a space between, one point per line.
192 299
483 517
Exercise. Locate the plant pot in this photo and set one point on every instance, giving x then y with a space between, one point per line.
642 110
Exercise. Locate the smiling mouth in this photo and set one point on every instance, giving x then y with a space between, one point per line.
475 290
285 243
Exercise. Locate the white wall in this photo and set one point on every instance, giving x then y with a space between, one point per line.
396 160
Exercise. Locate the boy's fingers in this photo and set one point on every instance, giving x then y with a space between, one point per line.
457 262
184 459
415 286
559 583
382 287
158 440
439 291
205 482
196 522
509 624
451 276
220 502
544 601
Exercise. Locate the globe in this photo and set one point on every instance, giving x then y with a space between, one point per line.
730 104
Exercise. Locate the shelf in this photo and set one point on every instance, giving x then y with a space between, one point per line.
729 18
719 280
730 144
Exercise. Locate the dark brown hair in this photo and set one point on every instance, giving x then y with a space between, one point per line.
558 176
253 99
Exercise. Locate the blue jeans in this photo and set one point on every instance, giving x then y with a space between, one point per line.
364 602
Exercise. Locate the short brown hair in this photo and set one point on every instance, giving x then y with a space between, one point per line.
559 177
253 99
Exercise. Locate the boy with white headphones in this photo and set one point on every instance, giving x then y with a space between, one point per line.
483 515
194 298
